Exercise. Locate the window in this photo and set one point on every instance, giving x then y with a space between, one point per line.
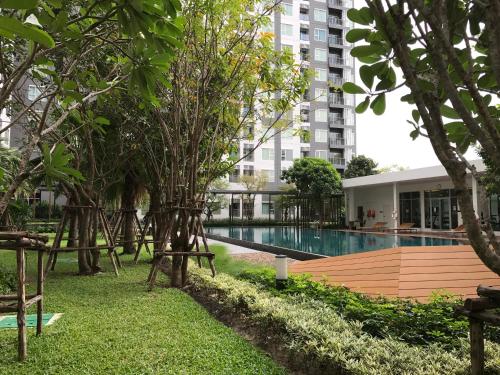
269 173
320 74
321 115
286 29
320 94
287 9
248 170
268 154
235 152
33 92
248 152
322 154
267 208
321 135
320 35
320 54
305 134
234 176
287 155
304 35
320 15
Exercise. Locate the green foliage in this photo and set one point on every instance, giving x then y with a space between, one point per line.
313 176
491 178
447 49
42 211
20 212
314 330
411 322
8 281
56 164
360 166
107 318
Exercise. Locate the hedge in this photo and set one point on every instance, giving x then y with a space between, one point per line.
314 330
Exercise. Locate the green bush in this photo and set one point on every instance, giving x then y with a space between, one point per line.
42 211
261 223
20 212
314 330
8 281
408 321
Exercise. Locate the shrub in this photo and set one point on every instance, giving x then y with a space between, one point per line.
315 330
8 281
20 212
42 211
409 321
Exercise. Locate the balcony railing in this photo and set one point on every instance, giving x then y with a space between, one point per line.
304 17
335 21
337 161
334 60
339 100
337 41
304 37
340 3
336 142
335 79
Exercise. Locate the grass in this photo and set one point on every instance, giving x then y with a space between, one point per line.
227 264
113 325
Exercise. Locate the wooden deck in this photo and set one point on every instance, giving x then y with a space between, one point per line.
406 272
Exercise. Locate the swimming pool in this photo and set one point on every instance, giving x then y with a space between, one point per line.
327 242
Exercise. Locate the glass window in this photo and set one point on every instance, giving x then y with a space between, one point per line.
321 135
320 54
319 15
268 154
235 175
322 154
321 115
286 29
267 208
269 173
287 155
248 152
33 92
320 94
287 9
320 35
248 170
320 74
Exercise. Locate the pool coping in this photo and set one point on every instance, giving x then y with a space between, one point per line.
277 250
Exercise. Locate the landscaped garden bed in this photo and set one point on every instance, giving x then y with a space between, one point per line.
310 336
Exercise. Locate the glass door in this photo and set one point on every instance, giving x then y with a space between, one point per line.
440 213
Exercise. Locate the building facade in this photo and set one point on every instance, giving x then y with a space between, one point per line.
314 31
423 196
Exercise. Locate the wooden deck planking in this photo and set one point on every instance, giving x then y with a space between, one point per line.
407 272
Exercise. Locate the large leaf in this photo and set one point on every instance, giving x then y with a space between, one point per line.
355 35
367 50
449 112
16 27
366 73
352 88
361 107
378 105
362 16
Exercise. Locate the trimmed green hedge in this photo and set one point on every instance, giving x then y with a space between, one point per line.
409 321
316 331
8 281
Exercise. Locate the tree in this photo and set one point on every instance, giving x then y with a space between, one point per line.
254 182
226 64
449 56
59 48
391 168
360 166
315 178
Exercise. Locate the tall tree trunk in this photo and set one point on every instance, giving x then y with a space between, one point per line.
73 230
83 230
129 196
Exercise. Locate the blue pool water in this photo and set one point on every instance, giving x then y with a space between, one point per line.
326 241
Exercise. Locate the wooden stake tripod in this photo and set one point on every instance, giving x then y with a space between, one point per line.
117 229
196 226
101 224
150 220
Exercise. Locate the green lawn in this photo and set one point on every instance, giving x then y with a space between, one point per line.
113 325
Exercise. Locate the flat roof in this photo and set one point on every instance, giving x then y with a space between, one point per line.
404 176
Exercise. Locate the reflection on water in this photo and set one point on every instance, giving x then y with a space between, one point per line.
326 241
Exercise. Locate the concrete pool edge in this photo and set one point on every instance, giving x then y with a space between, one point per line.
277 250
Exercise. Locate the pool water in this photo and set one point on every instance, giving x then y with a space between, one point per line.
328 242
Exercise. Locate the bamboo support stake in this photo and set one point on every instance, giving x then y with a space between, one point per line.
21 301
39 292
476 346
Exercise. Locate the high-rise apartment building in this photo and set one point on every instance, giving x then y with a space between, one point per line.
315 32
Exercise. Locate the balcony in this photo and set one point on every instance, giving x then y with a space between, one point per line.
337 161
337 41
335 21
336 60
304 37
336 142
336 121
340 4
304 57
338 100
304 17
335 80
